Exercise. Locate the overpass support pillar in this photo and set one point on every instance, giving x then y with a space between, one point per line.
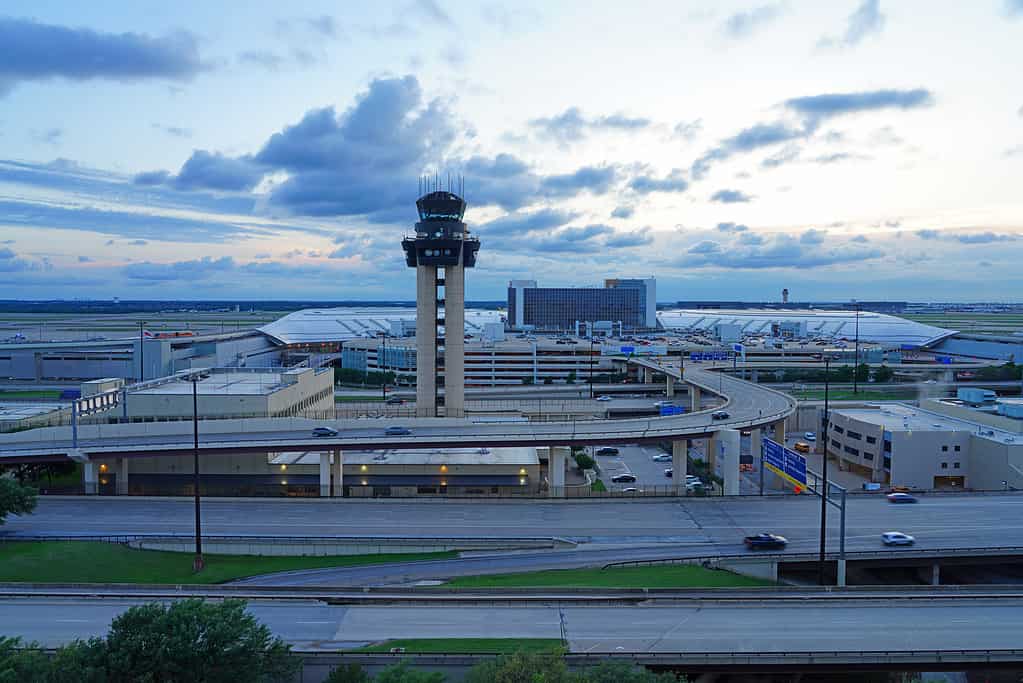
695 399
755 441
339 476
325 475
841 574
90 478
648 375
556 471
779 432
727 443
679 464
935 574
122 476
754 376
669 387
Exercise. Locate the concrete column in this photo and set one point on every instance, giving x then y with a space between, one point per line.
755 441
935 574
779 432
648 375
324 475
710 453
556 470
339 477
91 478
669 387
841 574
695 398
454 341
679 464
426 341
728 459
754 376
122 476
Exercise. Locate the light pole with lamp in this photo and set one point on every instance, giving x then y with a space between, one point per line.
142 351
198 563
856 346
824 474
381 364
592 342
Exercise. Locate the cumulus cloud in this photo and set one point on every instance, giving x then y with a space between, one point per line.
732 227
34 51
744 24
518 223
595 179
688 130
151 177
214 171
11 262
782 251
813 236
981 237
731 197
198 269
865 21
928 234
637 238
673 182
623 212
818 108
572 125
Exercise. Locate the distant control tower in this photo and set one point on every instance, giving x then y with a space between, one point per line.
440 252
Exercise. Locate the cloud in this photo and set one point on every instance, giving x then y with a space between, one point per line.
688 130
198 269
84 259
33 51
637 238
732 227
813 236
984 238
817 108
595 179
10 262
861 239
865 21
783 156
575 239
731 197
782 251
744 24
520 223
510 19
747 140
750 238
50 136
673 182
1013 152
928 234
705 247
174 131
623 212
264 59
1014 8
151 178
572 125
323 26
214 171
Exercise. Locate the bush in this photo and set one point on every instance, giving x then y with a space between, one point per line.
348 673
15 499
584 461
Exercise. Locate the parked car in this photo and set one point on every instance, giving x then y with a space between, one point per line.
901 498
897 538
801 447
324 431
765 541
719 415
624 479
605 397
662 457
631 489
607 450
397 431
809 436
670 472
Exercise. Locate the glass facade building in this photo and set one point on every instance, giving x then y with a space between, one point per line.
630 302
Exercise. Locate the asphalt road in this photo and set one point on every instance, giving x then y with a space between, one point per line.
686 627
607 530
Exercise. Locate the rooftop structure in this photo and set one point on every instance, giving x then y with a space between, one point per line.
631 302
324 325
873 327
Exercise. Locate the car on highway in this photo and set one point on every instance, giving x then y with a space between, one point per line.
801 447
607 450
661 457
901 498
631 489
765 541
605 397
663 404
809 436
623 479
397 431
395 401
897 538
719 415
324 431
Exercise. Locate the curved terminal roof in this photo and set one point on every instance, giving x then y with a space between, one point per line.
874 327
318 325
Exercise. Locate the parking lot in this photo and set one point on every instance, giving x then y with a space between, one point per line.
637 460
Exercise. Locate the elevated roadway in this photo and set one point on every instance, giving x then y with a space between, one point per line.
749 406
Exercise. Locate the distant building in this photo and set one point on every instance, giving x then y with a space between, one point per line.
631 302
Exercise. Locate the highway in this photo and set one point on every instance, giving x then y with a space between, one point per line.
748 405
606 530
700 626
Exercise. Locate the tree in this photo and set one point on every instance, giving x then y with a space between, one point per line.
862 372
20 664
193 640
522 668
15 499
883 374
402 673
348 673
624 672
583 461
571 377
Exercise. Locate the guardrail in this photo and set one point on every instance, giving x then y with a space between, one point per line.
494 541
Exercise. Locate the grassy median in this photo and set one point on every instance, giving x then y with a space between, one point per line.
99 562
467 645
657 576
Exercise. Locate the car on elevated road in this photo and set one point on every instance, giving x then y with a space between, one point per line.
901 498
766 541
897 538
605 397
719 415
324 431
397 431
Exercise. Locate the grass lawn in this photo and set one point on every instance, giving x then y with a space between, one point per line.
99 562
468 645
848 395
657 576
598 485
39 394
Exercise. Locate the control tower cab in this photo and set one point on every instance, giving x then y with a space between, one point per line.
440 252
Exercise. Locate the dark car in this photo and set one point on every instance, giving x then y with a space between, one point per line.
324 431
607 451
397 431
719 415
394 401
765 541
623 479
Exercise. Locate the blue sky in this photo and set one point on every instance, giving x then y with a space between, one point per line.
852 149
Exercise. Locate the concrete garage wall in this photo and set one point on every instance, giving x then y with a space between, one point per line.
917 457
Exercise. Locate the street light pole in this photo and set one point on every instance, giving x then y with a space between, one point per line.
381 365
198 564
591 367
142 351
856 364
824 475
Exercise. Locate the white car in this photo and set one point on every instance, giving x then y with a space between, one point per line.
663 457
604 398
897 538
810 436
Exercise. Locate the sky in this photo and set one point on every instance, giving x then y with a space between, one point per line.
854 149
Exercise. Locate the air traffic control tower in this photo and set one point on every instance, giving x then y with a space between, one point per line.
440 252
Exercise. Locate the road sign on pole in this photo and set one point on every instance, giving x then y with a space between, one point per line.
786 463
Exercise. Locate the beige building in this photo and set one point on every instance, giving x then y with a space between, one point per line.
939 446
